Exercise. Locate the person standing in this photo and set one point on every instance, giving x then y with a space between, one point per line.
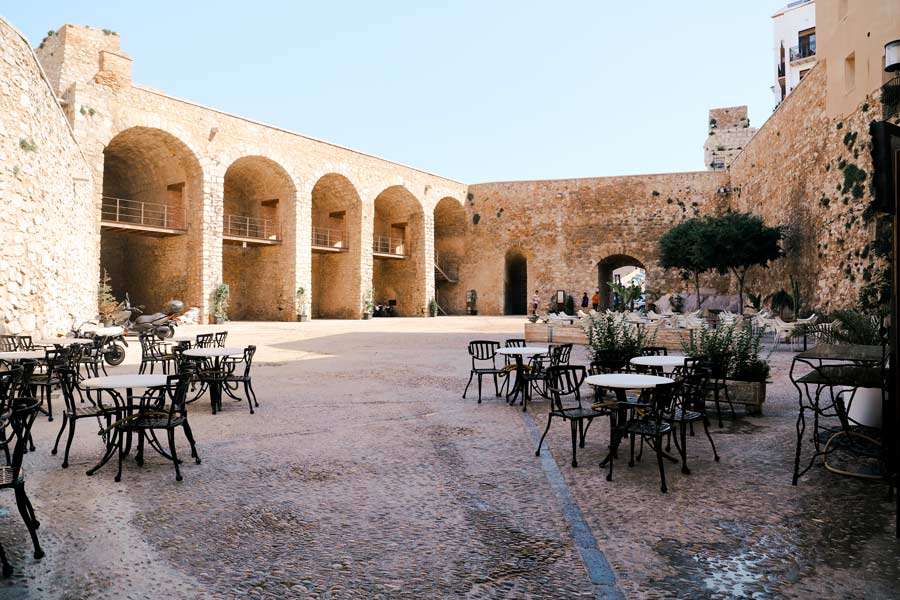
595 300
535 302
584 301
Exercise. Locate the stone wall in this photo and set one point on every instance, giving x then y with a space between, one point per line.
729 131
565 228
49 222
812 174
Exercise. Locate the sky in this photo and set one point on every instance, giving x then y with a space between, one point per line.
488 90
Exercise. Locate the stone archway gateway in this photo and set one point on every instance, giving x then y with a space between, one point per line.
398 266
258 240
151 237
617 267
515 286
449 250
336 249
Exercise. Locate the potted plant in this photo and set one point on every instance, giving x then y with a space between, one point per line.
301 304
433 308
368 305
106 302
609 334
220 303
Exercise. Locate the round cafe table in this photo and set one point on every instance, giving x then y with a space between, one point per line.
64 342
619 383
666 363
129 383
519 353
23 355
214 377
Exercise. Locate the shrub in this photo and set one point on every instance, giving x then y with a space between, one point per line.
609 333
739 341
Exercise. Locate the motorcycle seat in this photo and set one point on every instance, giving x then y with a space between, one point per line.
150 318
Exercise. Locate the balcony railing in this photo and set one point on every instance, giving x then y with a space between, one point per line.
243 226
135 213
890 98
803 51
384 244
330 239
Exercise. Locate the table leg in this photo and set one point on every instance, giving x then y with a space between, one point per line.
517 387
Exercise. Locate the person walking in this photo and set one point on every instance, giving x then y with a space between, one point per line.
584 301
535 302
595 300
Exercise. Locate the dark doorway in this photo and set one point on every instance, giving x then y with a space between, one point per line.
606 272
515 301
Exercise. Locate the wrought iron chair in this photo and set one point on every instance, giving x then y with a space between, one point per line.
219 338
535 376
484 352
16 422
45 377
205 340
564 387
164 409
654 351
10 375
688 408
7 343
647 423
76 408
237 372
717 384
154 352
92 358
509 363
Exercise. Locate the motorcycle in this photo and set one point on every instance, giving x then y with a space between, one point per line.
161 323
110 340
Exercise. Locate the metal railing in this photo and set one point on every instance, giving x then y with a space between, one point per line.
325 237
445 270
803 51
145 214
890 98
251 227
385 244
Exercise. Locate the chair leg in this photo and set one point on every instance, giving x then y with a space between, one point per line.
174 454
142 368
121 451
718 407
249 384
69 438
659 461
190 438
247 393
574 425
711 442
7 568
683 431
30 522
582 430
546 429
5 446
466 391
49 392
59 435
631 460
479 387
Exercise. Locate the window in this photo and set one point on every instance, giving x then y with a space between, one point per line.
807 42
803 73
850 72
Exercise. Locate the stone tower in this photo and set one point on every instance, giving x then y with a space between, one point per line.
729 133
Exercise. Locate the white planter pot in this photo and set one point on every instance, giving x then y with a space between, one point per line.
866 406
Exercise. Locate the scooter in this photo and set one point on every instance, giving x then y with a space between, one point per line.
161 323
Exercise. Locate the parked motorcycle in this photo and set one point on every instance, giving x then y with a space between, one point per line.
161 323
110 340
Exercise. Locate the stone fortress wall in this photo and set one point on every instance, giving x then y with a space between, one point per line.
346 226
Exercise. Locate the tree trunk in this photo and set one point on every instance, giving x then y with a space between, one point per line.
740 285
697 288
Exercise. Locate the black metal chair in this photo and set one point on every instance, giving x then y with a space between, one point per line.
509 363
16 422
164 409
484 352
647 423
717 384
535 376
219 338
76 409
7 343
10 375
654 351
154 352
690 407
563 387
45 377
237 373
92 358
205 340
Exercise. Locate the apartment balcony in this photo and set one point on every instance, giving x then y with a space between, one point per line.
890 98
147 218
325 239
384 246
803 52
251 230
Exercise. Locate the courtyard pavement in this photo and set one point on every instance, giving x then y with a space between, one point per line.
363 474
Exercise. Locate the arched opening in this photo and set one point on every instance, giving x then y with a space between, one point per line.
620 268
515 286
257 240
336 249
449 248
398 268
151 237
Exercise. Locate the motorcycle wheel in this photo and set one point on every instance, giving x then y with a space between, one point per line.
114 355
165 331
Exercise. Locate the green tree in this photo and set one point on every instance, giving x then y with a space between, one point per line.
737 242
684 247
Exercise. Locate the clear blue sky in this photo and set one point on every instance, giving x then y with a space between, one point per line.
472 90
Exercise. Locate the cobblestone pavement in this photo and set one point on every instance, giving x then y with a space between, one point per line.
364 475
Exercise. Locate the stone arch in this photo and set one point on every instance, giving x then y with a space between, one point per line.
607 270
449 249
259 200
398 248
515 283
336 217
151 242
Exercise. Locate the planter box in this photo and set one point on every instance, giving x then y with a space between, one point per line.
752 394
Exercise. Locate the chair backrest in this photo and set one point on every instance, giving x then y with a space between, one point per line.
71 392
176 391
718 367
9 379
7 343
151 345
662 399
219 338
559 354
205 340
16 427
654 351
564 381
24 342
515 343
249 351
694 389
609 361
483 349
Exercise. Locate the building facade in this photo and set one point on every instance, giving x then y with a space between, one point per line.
794 29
